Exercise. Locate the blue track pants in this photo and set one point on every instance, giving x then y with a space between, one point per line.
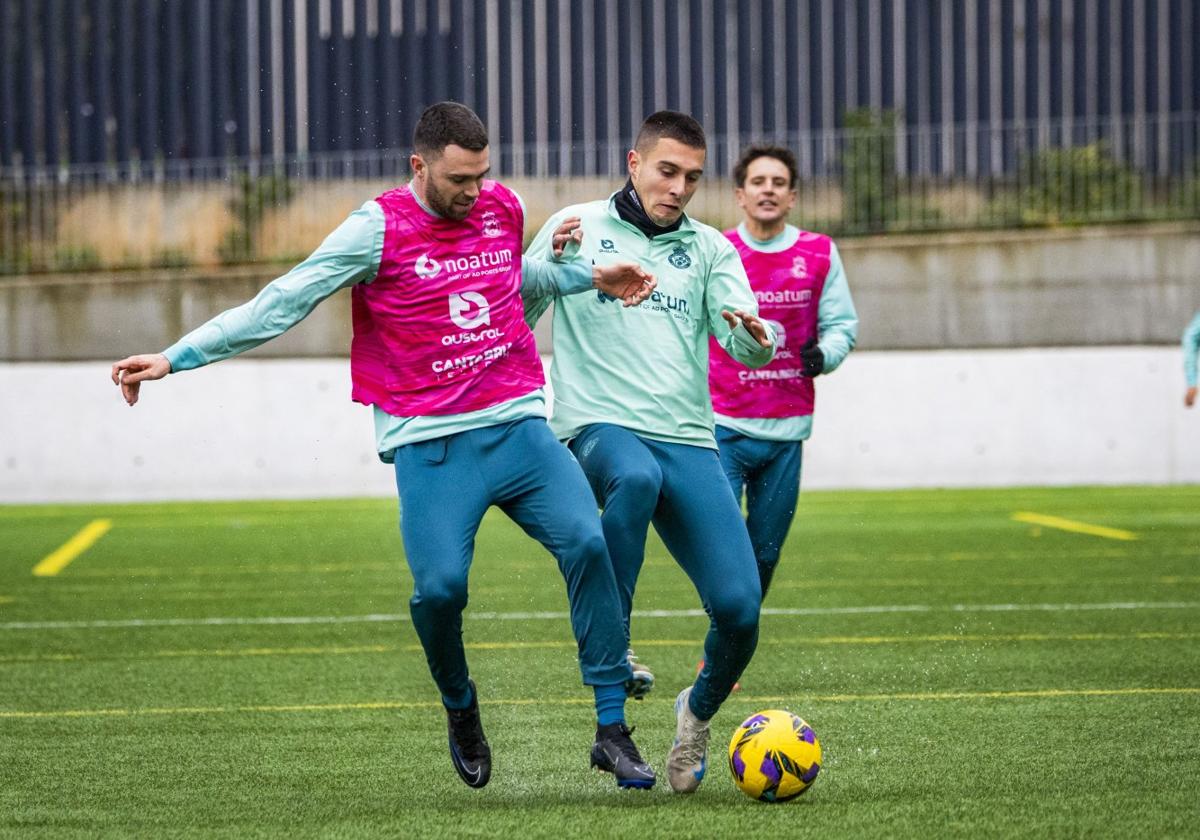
447 484
768 472
682 490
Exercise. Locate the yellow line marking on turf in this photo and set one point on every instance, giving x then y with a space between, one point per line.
350 650
1033 693
57 560
393 705
1073 526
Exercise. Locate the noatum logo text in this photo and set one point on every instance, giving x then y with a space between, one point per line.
487 259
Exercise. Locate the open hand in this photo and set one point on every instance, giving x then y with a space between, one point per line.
571 230
132 371
757 329
624 280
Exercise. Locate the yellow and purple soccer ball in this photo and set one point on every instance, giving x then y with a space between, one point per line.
774 756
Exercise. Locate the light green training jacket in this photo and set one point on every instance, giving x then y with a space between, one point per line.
645 368
1191 348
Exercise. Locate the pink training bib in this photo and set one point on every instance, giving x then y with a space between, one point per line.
788 287
441 328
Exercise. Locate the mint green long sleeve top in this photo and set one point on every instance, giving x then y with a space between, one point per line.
645 367
351 254
1191 349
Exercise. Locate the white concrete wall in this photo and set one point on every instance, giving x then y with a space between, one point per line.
287 429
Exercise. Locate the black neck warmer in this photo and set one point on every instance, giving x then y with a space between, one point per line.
629 208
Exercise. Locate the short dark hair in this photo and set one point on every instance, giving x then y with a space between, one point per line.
674 126
448 124
753 153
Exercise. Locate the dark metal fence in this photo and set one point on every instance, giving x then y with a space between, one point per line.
97 81
875 176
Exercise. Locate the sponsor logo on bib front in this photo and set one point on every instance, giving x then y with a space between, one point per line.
426 266
469 310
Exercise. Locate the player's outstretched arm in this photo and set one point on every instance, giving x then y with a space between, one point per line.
349 255
551 268
626 281
132 371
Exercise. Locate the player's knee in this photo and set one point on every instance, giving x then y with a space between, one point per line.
442 594
591 546
587 548
736 613
638 488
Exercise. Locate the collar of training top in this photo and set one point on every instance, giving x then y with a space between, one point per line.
629 208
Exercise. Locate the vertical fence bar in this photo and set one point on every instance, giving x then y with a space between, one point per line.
28 101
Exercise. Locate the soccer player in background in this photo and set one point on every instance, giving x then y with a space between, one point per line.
1191 348
440 349
631 398
764 416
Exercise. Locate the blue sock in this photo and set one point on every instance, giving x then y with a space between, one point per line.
610 703
461 701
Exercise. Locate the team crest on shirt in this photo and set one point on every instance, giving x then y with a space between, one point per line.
679 257
799 268
491 225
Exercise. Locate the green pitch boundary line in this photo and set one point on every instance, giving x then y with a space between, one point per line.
797 641
388 705
385 618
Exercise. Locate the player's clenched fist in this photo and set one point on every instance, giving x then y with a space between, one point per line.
132 371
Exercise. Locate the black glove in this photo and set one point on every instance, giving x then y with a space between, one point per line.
813 359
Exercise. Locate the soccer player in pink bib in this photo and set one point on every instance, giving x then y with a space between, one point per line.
763 416
443 354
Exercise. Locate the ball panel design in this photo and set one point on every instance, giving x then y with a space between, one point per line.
774 756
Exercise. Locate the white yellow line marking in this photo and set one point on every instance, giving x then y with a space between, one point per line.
402 618
57 560
1033 693
566 644
1073 526
391 705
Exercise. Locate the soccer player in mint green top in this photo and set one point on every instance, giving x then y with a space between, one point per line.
1191 349
442 352
631 398
764 417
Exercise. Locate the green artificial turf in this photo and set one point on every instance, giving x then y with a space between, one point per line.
967 675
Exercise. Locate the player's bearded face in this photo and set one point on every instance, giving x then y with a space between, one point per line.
449 183
666 176
767 195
